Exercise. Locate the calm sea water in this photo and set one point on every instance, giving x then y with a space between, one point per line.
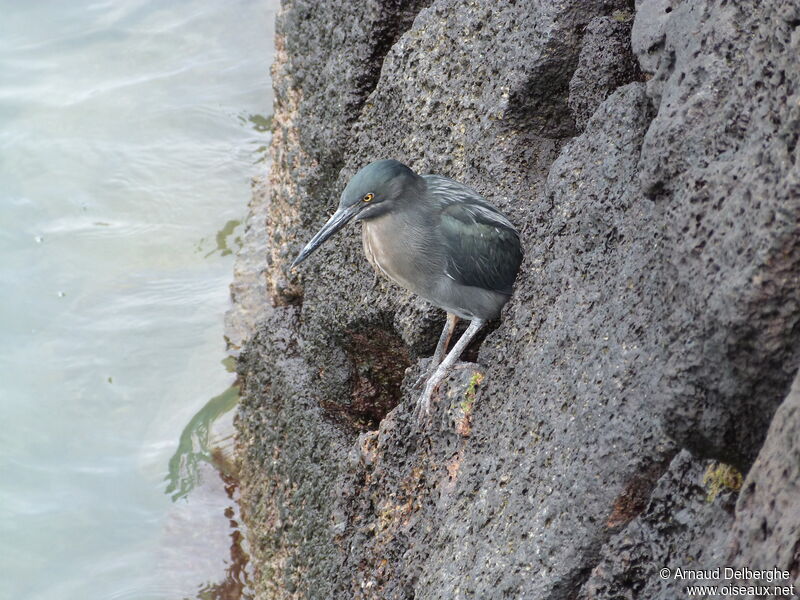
129 131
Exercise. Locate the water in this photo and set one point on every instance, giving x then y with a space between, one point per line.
129 132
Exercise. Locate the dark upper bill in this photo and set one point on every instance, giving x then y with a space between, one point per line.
339 219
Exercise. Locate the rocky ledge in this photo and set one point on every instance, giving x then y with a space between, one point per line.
633 409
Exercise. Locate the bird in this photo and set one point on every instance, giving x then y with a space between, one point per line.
437 238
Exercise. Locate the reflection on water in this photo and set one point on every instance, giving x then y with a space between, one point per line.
236 582
264 125
260 122
129 132
196 446
227 231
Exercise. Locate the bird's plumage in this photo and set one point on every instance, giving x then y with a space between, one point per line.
443 241
481 245
436 237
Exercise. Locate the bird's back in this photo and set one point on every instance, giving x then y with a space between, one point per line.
481 245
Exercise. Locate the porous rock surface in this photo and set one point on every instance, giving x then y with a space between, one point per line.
648 154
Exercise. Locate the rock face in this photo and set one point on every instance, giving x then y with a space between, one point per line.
648 155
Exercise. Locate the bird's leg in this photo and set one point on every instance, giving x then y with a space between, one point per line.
441 348
424 402
444 340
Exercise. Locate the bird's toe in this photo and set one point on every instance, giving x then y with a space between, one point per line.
428 368
420 381
424 400
423 408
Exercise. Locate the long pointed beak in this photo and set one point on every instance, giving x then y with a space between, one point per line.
339 219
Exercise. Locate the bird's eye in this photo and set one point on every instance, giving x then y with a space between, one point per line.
369 197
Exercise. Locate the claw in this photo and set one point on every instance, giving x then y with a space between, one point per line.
424 401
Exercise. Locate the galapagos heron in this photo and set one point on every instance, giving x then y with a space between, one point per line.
437 238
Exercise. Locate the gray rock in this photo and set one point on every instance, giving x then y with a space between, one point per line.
766 531
695 522
718 162
289 454
606 62
653 331
684 528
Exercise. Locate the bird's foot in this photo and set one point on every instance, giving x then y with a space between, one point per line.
417 385
423 408
419 382
424 402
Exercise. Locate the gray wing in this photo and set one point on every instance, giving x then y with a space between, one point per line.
482 246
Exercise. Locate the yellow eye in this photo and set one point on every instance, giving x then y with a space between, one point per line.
369 197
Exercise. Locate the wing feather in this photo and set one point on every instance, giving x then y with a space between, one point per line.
482 246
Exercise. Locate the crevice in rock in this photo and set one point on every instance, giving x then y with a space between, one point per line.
391 24
632 502
636 494
387 31
544 109
378 359
606 62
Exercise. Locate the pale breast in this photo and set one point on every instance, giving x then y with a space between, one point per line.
388 252
372 249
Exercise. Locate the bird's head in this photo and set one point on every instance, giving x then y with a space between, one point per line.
375 190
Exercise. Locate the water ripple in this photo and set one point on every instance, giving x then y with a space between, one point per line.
126 152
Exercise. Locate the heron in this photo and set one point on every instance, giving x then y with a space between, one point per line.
439 239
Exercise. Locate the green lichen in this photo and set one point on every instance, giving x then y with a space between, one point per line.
469 394
621 16
720 477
